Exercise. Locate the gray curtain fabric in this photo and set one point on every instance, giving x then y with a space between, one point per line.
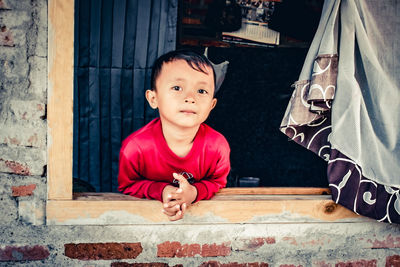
365 116
345 106
116 43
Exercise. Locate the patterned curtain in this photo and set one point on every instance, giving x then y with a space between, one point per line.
116 43
345 105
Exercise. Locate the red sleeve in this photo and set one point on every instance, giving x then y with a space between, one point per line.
130 182
207 187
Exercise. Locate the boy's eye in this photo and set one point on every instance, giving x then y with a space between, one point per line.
202 91
176 88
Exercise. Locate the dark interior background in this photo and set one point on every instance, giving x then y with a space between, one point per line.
251 103
257 88
116 45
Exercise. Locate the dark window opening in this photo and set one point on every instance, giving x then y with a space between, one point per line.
251 101
257 88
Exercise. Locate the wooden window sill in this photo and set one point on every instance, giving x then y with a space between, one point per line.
231 205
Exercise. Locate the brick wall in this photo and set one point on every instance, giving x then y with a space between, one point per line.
23 89
25 239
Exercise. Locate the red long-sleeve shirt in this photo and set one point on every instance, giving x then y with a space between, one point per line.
146 163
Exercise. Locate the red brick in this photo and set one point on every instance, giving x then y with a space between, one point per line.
322 264
255 243
16 167
176 249
6 38
389 242
150 264
33 139
233 264
23 253
23 190
214 250
359 263
3 5
14 141
103 251
290 239
168 249
190 250
393 261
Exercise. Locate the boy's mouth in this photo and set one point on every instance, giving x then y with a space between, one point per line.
187 111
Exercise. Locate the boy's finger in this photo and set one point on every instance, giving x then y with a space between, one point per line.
172 209
183 208
170 204
181 179
176 196
169 213
177 216
169 197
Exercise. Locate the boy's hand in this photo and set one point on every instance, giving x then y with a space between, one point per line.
171 207
176 200
186 193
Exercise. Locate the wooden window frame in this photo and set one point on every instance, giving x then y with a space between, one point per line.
230 205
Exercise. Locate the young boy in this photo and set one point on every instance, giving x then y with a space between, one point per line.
176 158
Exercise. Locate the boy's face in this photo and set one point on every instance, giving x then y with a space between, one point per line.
184 96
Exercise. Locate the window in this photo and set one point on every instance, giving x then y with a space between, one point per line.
236 205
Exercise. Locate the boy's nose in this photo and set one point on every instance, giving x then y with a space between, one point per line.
189 98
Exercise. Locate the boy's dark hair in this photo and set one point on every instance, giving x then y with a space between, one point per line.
195 60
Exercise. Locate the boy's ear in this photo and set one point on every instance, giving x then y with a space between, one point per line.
151 98
214 103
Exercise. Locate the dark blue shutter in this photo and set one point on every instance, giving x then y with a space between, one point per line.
116 43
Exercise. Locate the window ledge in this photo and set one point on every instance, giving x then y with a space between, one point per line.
233 205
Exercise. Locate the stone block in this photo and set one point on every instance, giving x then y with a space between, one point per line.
22 160
22 186
24 135
38 77
14 71
7 67
28 110
26 211
31 211
8 210
22 198
16 18
40 19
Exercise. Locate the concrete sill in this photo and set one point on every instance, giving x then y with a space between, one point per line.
232 205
